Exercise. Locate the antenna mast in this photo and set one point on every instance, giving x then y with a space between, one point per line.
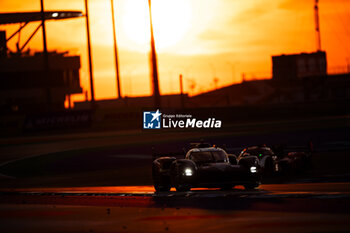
317 27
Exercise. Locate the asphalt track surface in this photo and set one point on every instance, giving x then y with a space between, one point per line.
298 189
308 207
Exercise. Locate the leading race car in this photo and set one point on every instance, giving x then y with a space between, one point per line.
205 167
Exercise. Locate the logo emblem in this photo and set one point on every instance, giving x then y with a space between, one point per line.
151 120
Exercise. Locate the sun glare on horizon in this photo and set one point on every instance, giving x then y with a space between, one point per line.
171 20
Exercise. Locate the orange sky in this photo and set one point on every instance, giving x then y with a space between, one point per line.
201 39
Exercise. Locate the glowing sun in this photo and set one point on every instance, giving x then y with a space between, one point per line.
171 21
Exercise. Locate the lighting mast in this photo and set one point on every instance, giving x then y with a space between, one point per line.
317 27
154 66
45 55
89 55
115 52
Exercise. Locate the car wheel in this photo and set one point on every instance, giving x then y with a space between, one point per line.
161 183
268 168
177 183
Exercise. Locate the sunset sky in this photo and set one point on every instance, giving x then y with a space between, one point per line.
201 39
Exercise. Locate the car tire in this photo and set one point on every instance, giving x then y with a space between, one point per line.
176 181
161 183
268 168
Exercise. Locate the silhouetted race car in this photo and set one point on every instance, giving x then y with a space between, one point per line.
267 159
205 166
294 162
278 160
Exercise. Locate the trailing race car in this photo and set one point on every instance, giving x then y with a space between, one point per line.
267 159
205 166
294 162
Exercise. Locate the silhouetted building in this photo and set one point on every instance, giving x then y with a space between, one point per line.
26 86
297 78
3 47
35 82
293 67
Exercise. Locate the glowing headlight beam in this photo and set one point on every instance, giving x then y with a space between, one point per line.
188 172
253 169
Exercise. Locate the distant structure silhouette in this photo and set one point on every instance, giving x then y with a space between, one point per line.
40 81
288 68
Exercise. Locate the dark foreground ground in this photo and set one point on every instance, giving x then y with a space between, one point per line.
317 207
100 182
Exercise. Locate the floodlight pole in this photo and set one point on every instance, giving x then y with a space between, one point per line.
317 26
154 67
45 56
181 92
43 29
115 52
89 54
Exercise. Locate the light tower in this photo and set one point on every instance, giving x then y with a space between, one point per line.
116 52
154 66
89 55
45 54
317 27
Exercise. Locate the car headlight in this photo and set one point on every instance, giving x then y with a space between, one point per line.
253 169
188 172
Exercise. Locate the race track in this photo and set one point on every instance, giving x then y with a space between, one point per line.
308 207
